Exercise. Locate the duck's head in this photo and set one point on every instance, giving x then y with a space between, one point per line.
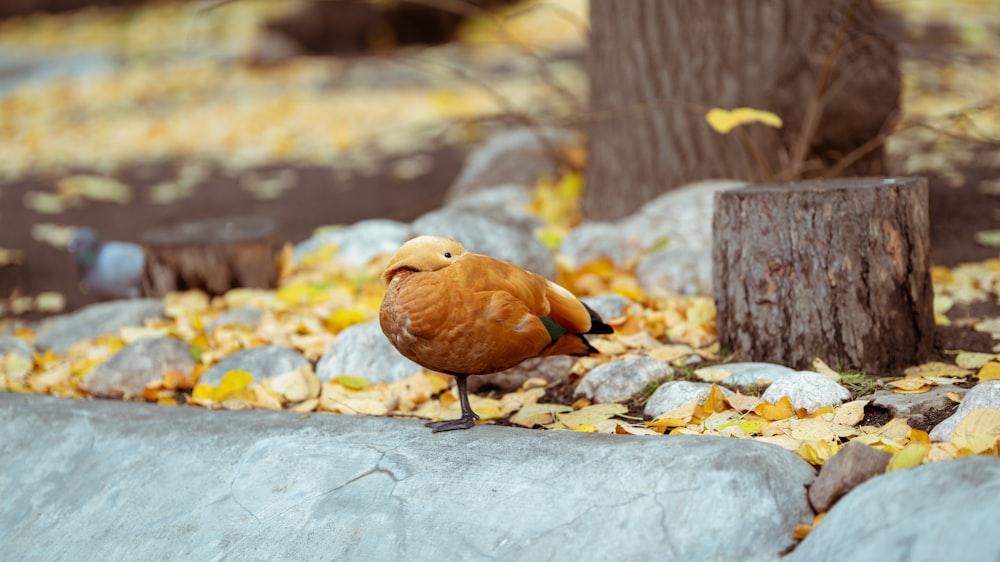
423 253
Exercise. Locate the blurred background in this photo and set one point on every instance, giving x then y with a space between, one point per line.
125 115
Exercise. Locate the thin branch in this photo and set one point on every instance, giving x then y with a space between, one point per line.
510 111
814 107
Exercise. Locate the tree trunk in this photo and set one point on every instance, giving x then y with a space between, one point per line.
838 270
656 67
213 255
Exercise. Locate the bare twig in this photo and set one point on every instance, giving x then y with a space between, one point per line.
467 9
509 111
763 168
816 102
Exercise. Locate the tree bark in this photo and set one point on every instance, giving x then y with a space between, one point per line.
214 255
657 67
838 270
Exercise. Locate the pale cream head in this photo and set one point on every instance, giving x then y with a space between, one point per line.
423 253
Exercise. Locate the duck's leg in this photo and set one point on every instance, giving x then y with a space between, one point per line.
468 418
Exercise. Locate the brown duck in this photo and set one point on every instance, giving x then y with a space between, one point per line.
465 314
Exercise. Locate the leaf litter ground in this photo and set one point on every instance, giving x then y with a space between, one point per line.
247 170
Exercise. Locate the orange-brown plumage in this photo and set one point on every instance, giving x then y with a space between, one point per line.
467 314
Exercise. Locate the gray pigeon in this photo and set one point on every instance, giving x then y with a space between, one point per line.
108 269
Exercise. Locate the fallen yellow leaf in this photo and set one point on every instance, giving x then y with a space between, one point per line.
912 385
989 372
350 381
936 369
724 121
538 414
232 384
984 421
909 456
973 360
589 415
779 410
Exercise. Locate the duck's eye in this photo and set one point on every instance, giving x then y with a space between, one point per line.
447 254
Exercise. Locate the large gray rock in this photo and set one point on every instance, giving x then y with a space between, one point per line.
607 306
595 241
744 374
363 350
246 316
260 485
61 332
671 236
506 204
620 380
261 362
126 373
675 269
483 235
17 345
359 243
984 395
938 511
511 156
682 217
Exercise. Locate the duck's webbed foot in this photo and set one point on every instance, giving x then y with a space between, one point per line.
468 418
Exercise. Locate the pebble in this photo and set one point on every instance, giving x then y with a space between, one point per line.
621 380
672 395
261 362
126 373
363 351
806 389
984 395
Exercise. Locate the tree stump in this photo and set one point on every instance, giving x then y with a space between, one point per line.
213 255
834 269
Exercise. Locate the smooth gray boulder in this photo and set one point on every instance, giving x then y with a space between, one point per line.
59 333
607 306
744 374
360 242
595 241
938 511
126 373
671 236
681 217
126 481
246 316
261 362
984 395
362 350
620 380
483 235
506 204
511 156
676 269
17 345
